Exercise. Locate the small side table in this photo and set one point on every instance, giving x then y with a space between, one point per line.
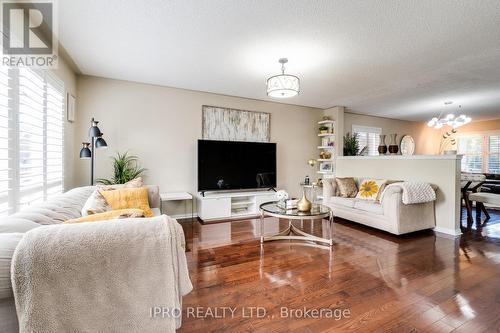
177 196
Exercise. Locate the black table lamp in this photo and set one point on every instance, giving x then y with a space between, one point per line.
87 151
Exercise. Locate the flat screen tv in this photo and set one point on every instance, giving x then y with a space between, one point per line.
231 165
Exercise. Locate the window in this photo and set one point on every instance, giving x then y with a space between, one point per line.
494 154
481 152
368 137
31 137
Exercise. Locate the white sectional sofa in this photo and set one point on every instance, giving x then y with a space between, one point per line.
390 214
55 211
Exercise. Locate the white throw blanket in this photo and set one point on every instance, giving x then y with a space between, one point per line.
100 276
414 192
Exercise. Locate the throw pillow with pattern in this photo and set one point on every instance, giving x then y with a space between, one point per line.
370 189
347 187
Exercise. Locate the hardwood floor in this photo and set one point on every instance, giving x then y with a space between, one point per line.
411 283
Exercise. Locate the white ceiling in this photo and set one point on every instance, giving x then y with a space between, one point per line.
391 58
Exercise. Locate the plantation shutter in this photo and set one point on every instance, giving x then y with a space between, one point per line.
494 154
31 137
55 136
368 137
32 129
471 149
5 152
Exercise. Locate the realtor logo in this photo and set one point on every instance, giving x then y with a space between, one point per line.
29 34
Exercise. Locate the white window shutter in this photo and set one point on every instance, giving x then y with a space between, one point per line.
471 148
494 154
55 136
5 146
31 137
368 137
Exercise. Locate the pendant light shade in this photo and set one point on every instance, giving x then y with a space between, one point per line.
100 142
94 131
85 152
450 119
283 85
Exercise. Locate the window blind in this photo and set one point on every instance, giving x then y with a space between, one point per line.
31 137
481 152
368 137
5 155
55 136
494 154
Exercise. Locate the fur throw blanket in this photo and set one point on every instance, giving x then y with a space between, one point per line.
101 277
414 192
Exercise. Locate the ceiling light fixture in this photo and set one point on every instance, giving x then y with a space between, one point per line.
283 85
450 119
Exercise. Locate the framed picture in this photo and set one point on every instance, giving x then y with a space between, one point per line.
326 166
226 124
70 108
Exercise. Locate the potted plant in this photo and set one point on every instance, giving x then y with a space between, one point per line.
351 144
323 129
125 168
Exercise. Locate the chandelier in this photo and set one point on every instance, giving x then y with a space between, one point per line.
450 119
283 85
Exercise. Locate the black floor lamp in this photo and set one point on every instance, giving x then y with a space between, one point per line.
87 151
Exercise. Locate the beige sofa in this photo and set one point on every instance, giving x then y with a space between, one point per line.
390 214
55 211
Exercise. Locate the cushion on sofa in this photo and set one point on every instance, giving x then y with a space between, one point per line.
347 187
330 188
8 243
370 189
15 224
109 215
95 204
369 206
129 198
347 202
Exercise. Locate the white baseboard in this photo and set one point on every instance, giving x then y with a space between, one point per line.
447 232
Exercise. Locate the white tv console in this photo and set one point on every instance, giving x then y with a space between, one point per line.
232 205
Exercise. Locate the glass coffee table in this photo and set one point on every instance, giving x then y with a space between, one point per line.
292 232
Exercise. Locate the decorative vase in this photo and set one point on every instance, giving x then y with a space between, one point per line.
393 147
382 148
304 205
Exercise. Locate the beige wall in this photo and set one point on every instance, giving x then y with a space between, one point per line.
433 137
443 171
388 126
161 125
480 126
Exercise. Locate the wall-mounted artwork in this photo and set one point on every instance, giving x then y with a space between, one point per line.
235 125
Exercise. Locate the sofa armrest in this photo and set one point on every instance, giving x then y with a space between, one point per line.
153 196
329 188
391 199
407 218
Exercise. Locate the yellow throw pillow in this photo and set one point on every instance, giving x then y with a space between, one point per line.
370 189
112 214
129 198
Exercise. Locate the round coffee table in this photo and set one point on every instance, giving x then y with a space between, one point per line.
316 212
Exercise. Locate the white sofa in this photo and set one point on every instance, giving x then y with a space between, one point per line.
55 211
390 214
